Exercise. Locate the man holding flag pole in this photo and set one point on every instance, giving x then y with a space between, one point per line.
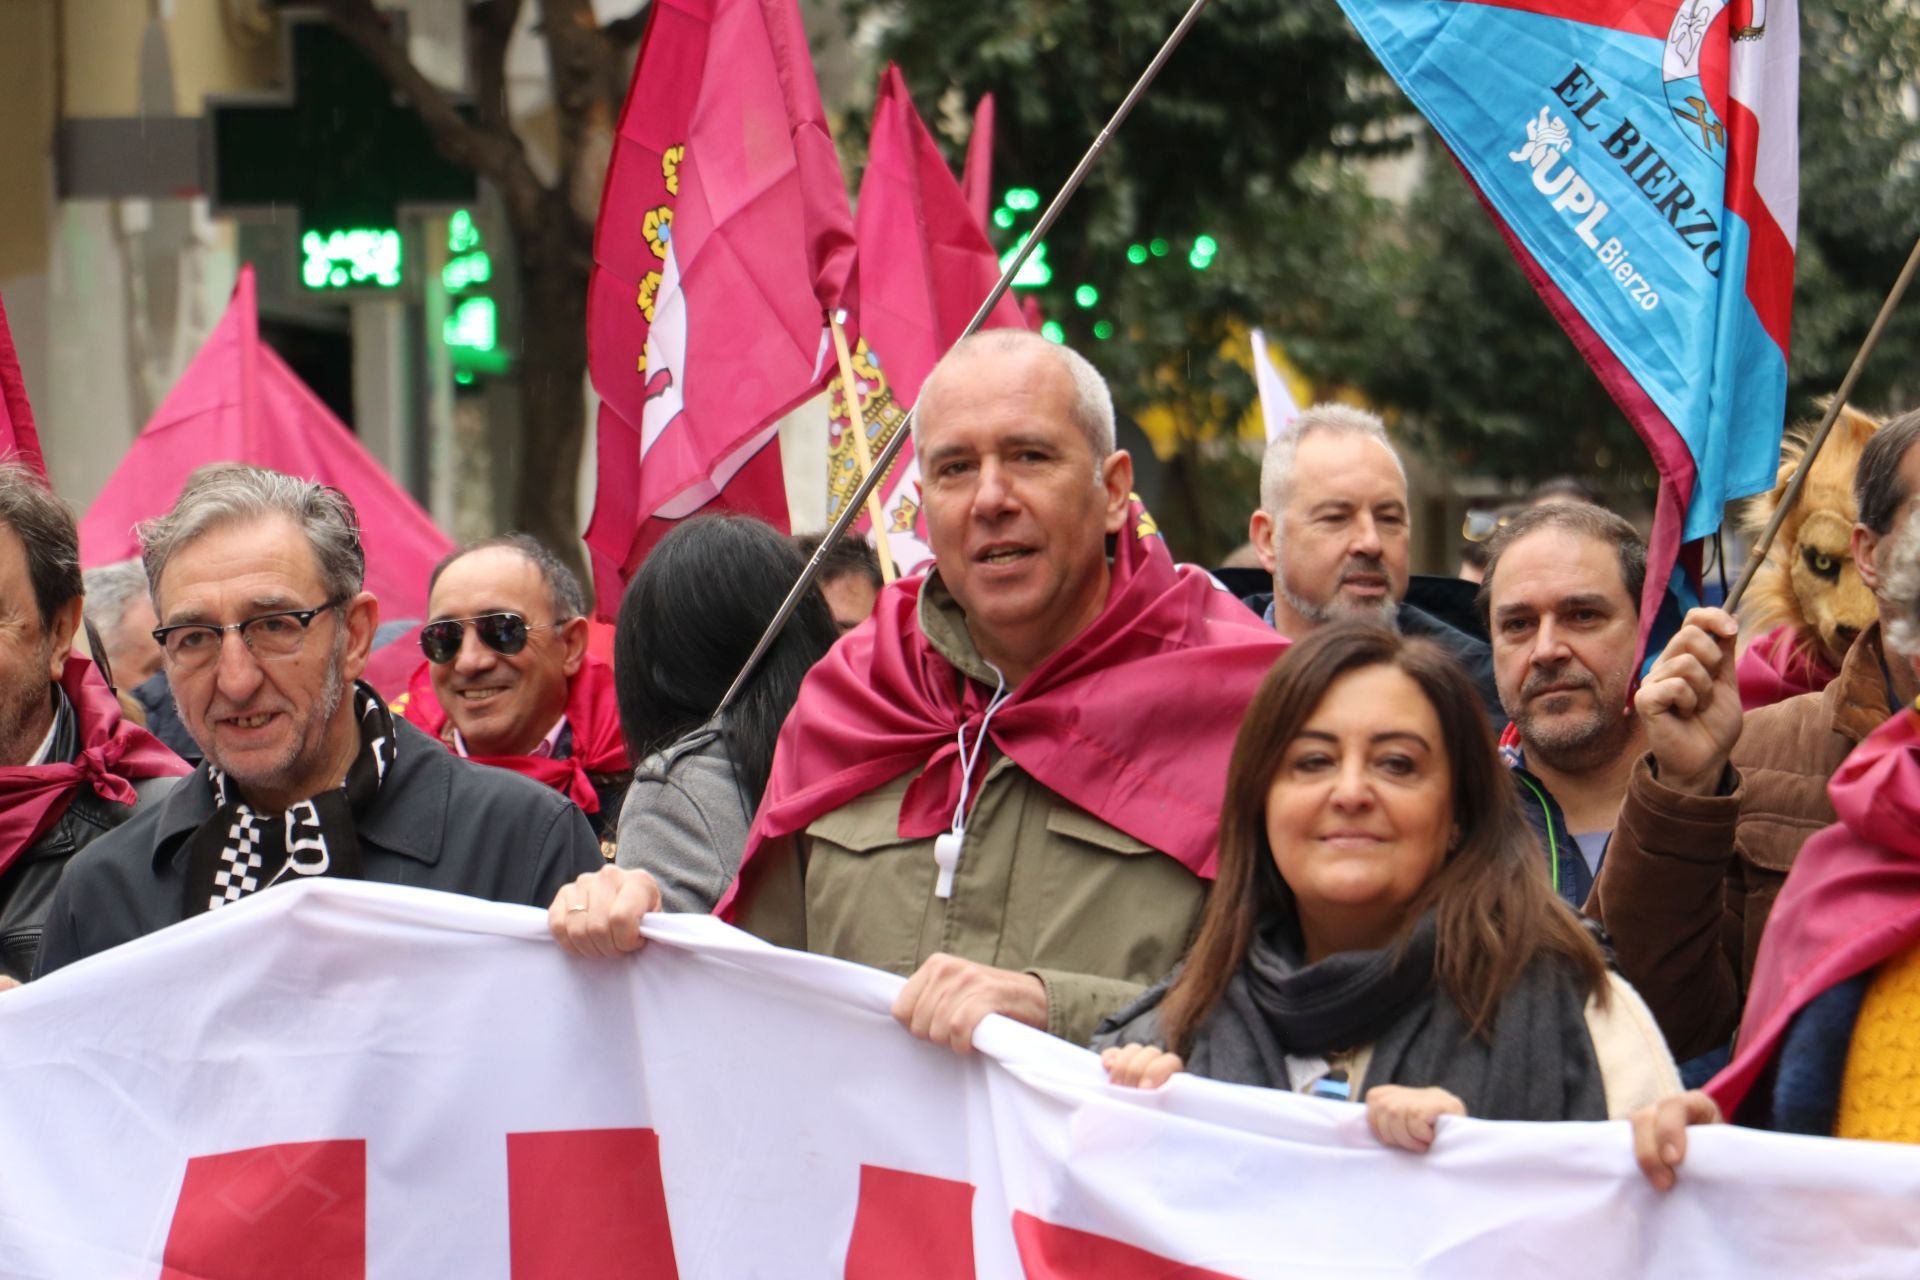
1005 756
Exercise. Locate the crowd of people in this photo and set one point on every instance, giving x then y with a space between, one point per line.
1326 840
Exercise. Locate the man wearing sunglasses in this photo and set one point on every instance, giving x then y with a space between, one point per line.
265 628
508 680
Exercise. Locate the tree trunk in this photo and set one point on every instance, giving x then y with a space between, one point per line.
553 368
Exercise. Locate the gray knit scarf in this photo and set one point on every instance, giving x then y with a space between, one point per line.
1537 1064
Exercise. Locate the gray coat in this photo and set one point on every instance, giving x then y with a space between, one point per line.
439 822
686 819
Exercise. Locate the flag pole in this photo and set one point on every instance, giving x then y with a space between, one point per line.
862 451
893 447
1759 553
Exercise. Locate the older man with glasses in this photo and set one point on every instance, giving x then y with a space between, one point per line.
265 628
508 680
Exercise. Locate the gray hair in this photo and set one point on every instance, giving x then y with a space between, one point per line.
45 527
564 592
110 589
1878 489
229 492
1276 468
1092 408
1900 590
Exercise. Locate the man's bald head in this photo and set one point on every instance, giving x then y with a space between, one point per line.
976 357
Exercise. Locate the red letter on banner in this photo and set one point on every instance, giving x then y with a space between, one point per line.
1061 1253
297 1210
587 1204
909 1224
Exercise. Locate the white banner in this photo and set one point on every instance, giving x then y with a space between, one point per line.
342 1080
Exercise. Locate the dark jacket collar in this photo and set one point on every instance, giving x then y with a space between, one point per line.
409 817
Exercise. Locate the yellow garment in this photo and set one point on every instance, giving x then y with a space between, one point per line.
1880 1090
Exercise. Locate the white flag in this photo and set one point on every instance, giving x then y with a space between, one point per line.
1276 402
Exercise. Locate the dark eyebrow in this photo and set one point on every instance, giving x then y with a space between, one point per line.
1506 611
1409 735
1593 601
1389 735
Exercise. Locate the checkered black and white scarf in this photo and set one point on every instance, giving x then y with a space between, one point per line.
239 851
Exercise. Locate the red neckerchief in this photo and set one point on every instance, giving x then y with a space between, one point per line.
1852 902
113 754
1779 665
593 717
1132 721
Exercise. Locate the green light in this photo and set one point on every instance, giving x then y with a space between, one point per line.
1003 218
1052 331
354 257
1022 199
1086 295
1136 254
1103 329
1158 247
464 377
1199 261
1205 246
462 235
467 270
473 326
1034 272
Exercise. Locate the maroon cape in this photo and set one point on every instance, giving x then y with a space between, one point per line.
1132 721
1779 665
1852 901
593 714
114 753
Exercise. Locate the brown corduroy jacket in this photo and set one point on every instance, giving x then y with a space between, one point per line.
1688 880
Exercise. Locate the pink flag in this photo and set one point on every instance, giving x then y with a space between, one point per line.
976 180
19 442
724 238
239 402
925 268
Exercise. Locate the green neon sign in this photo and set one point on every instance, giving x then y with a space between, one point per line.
471 330
351 258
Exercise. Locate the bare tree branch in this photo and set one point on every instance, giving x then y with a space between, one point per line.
626 32
494 154
587 77
490 25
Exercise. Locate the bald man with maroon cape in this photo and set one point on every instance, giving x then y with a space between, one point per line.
1005 785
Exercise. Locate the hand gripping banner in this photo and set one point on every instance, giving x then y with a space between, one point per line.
338 1081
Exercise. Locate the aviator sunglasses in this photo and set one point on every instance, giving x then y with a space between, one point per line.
504 633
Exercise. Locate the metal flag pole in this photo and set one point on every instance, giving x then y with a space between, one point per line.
1759 553
850 510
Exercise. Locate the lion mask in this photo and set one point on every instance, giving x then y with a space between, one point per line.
1809 581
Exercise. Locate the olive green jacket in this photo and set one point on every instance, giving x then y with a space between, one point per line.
1043 887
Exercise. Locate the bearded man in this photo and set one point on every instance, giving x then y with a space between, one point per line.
1562 596
71 769
1333 528
257 579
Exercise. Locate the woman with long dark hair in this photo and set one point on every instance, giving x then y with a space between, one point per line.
687 623
1379 927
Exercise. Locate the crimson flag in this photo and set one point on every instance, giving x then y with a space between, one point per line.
976 179
239 402
925 267
19 442
724 239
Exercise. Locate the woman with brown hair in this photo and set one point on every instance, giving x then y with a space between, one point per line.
1379 927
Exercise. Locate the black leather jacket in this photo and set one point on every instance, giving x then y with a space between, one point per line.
26 888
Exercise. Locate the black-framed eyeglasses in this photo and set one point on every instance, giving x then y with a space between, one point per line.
267 635
504 633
